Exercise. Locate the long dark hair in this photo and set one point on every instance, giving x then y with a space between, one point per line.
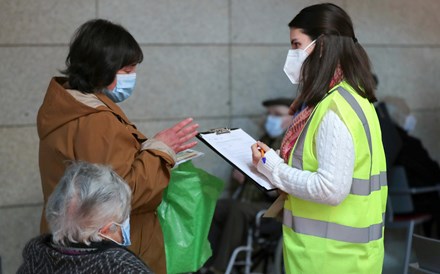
98 49
336 45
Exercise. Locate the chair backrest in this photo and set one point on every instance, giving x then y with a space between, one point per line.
427 252
398 181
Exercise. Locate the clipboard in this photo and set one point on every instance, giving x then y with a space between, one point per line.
234 146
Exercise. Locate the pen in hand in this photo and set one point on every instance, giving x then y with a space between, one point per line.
263 158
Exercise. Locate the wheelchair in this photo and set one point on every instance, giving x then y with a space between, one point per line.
263 248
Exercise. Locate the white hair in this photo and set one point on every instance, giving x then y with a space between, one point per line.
88 197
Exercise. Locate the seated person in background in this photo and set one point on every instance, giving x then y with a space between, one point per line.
420 168
232 217
403 149
88 215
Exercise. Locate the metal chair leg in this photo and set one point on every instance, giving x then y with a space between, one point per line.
234 257
248 249
408 247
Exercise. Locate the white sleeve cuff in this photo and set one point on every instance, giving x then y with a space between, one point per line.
272 161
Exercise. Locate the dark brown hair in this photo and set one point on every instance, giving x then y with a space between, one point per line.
336 45
99 48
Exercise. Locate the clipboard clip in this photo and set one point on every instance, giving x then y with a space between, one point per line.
220 130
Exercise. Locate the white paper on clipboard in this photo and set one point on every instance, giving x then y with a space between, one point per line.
235 146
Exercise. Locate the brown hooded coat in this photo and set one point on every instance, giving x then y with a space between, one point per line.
71 130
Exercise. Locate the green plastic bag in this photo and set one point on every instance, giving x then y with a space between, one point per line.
185 216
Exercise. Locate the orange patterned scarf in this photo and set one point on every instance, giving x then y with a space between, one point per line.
300 120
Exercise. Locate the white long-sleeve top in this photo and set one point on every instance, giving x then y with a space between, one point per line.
331 183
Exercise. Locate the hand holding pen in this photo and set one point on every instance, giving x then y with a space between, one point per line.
259 150
263 158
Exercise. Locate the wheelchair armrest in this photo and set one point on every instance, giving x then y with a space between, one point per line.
259 216
414 190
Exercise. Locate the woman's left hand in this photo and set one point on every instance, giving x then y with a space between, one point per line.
177 136
257 153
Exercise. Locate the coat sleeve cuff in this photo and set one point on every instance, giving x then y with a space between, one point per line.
153 144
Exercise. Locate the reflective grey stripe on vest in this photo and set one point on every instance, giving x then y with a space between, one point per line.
332 231
365 186
358 186
361 186
357 108
297 156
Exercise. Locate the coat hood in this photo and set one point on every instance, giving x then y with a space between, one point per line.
59 108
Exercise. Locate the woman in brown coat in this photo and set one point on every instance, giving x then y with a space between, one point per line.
79 120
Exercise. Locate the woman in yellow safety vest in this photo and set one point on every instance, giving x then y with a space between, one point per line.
331 164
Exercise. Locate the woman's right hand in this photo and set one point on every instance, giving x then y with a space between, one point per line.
256 152
177 136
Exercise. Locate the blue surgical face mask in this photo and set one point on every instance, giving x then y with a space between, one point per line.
124 87
274 125
410 123
125 232
125 229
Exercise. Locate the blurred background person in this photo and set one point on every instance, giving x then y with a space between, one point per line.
80 120
88 215
402 149
233 216
332 163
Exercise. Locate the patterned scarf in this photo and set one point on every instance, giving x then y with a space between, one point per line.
293 132
300 120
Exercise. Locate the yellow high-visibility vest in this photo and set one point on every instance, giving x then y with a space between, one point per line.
347 238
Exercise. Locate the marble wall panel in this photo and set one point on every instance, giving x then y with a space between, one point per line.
170 21
410 73
181 81
25 75
257 75
396 22
265 22
20 176
17 226
43 21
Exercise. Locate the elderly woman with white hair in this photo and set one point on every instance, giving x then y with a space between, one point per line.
88 215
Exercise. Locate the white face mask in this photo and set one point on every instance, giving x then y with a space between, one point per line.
294 61
274 125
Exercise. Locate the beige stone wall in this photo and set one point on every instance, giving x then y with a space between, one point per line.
212 60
